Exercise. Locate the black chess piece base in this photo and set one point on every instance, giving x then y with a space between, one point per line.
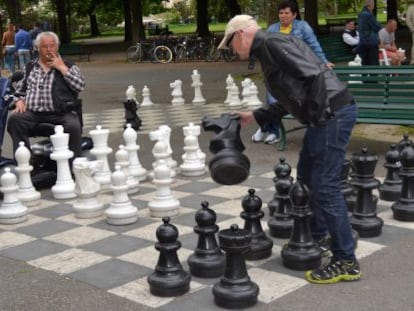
301 259
240 297
367 227
280 229
229 168
390 193
173 285
207 267
403 212
260 250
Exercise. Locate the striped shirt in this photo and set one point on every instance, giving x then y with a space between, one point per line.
38 94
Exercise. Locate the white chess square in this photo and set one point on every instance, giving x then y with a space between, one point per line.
79 236
10 239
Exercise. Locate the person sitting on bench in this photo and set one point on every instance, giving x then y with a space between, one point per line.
387 42
48 93
350 36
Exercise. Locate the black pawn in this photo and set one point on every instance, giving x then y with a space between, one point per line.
403 142
364 217
390 189
261 245
169 278
235 290
403 209
229 166
281 223
207 260
346 189
301 252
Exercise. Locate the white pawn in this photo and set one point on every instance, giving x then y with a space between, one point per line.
254 101
12 211
246 83
131 94
64 187
120 211
27 193
235 99
192 129
229 84
146 100
135 167
163 203
192 165
164 134
101 151
198 97
177 94
87 188
121 157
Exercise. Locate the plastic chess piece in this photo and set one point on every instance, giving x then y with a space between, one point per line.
403 142
193 164
403 209
146 100
135 168
64 187
101 151
229 166
254 101
120 211
280 207
235 290
390 189
246 83
87 189
207 261
160 153
301 252
12 211
234 96
192 129
131 105
261 245
229 84
26 192
121 157
364 217
346 189
177 93
163 203
163 133
197 84
169 278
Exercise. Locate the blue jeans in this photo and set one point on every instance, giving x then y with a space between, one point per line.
319 167
24 57
9 59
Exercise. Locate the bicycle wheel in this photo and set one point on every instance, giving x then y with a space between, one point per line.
180 53
229 55
134 54
213 55
163 54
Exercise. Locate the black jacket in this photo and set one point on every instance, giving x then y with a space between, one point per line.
298 79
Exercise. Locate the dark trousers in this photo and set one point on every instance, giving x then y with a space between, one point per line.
21 126
368 54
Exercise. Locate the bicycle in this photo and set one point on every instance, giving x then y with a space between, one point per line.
214 54
149 51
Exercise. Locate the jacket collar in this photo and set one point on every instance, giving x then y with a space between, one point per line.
256 46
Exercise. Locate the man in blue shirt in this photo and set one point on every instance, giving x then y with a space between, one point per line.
23 45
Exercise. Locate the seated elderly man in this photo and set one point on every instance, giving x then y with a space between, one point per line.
350 36
387 42
47 93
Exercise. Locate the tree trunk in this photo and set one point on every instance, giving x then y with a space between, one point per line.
137 31
62 23
128 22
202 18
14 9
94 25
311 14
272 15
233 7
392 10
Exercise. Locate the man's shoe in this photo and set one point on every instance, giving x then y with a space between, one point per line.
271 139
258 136
325 246
335 271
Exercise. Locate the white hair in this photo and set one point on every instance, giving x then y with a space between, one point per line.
44 34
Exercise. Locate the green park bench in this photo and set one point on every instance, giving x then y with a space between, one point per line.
72 49
335 49
383 95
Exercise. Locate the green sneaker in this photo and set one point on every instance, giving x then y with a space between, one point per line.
335 271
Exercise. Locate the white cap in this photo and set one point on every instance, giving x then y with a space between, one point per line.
236 23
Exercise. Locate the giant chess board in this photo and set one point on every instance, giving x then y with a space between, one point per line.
119 258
